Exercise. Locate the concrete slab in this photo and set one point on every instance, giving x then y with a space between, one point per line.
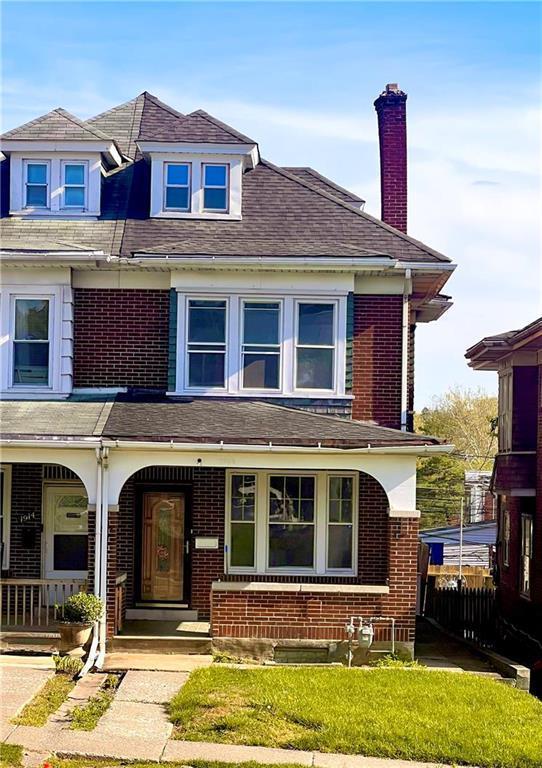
131 719
18 686
151 687
175 662
30 661
231 753
83 690
5 729
358 761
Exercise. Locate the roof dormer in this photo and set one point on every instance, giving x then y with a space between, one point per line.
56 165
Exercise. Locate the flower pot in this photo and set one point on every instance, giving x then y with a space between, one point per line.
73 637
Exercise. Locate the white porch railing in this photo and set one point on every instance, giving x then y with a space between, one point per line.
35 602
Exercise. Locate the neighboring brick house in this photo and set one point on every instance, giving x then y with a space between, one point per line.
517 479
208 375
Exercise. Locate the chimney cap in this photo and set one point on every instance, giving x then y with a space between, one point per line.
391 94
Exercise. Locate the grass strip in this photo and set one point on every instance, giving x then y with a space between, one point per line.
46 701
85 717
11 756
101 763
407 713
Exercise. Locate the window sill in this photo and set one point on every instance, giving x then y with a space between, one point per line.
33 394
273 586
194 215
265 393
62 214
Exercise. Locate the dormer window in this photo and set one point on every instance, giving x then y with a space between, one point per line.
215 187
177 187
74 185
37 180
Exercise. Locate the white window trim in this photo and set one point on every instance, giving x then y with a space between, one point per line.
56 161
321 523
7 323
178 186
36 161
297 345
185 353
506 389
159 161
233 385
205 186
63 204
5 469
526 518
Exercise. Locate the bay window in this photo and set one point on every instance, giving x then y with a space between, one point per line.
315 346
261 345
31 342
288 522
37 175
206 343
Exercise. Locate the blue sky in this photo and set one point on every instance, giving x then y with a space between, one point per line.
300 78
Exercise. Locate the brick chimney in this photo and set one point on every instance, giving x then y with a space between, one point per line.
391 110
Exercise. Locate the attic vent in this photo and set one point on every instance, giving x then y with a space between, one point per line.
57 472
165 474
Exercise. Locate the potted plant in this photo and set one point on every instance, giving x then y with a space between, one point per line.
79 614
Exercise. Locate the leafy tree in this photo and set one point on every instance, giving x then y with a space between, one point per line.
465 418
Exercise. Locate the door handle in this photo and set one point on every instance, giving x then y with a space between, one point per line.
187 547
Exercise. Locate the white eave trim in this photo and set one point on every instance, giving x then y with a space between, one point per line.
307 263
274 586
37 255
159 147
104 147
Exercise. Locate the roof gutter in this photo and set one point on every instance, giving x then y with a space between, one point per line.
20 442
17 256
336 263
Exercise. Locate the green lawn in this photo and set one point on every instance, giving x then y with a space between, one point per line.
11 756
85 717
398 713
46 701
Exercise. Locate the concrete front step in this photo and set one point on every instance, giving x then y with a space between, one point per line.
42 642
160 644
161 614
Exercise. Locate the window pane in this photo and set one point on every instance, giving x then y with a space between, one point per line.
207 322
314 368
215 175
31 319
339 546
260 323
242 545
31 363
70 552
214 199
261 371
74 196
71 514
74 174
291 546
36 173
36 196
177 197
243 489
206 369
291 498
316 324
177 174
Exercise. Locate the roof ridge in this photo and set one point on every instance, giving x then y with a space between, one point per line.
358 212
162 104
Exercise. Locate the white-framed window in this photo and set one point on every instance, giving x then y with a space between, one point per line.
177 186
216 187
31 341
505 532
5 512
505 409
74 179
261 344
251 344
315 345
292 522
526 554
206 346
37 180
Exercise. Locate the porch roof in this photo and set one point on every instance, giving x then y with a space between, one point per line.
199 420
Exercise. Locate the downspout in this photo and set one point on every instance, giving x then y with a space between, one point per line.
407 287
103 556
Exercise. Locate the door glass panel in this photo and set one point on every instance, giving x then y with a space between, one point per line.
67 531
70 553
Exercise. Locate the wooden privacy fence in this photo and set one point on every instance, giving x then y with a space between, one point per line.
469 613
33 602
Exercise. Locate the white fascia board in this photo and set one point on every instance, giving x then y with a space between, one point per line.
423 266
149 147
19 257
314 263
29 146
61 442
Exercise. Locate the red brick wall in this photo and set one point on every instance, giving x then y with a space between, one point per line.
377 359
391 110
25 535
121 337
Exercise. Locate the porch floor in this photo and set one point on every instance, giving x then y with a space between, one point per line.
147 628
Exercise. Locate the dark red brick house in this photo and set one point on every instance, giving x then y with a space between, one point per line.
517 479
208 377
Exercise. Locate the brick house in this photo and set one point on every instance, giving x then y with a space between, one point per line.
517 480
208 377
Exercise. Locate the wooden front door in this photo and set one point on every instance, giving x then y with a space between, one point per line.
162 571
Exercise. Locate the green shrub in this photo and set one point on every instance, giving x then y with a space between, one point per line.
70 665
394 661
83 608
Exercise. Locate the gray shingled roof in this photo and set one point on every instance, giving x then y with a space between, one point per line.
283 213
311 176
202 420
57 125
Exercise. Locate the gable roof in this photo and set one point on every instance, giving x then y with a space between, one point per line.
57 125
311 176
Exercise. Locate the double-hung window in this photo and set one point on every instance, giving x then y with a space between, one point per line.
206 347
37 180
282 522
177 191
215 187
74 184
526 554
315 345
261 345
31 342
505 532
